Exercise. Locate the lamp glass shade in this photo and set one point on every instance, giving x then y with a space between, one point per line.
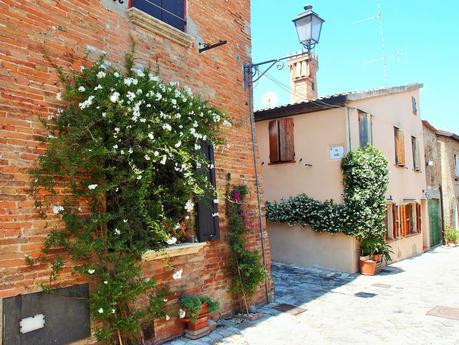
308 27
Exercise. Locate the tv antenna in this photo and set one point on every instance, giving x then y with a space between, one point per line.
384 57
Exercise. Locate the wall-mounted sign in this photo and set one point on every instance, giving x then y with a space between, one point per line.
336 152
32 323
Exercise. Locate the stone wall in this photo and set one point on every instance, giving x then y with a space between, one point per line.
34 35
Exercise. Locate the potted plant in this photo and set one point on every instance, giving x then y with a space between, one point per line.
197 309
451 236
368 247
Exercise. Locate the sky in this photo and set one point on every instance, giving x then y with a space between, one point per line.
421 40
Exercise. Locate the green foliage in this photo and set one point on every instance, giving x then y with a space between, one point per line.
363 211
120 170
192 305
246 269
451 235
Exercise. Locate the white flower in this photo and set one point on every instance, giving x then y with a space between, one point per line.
81 89
115 146
153 77
189 206
101 75
104 114
124 220
87 103
178 274
117 231
98 87
100 310
197 147
171 241
226 123
130 150
178 144
147 157
177 226
82 68
181 313
215 214
151 136
168 317
159 96
117 129
105 282
57 209
115 97
139 177
92 186
163 160
173 101
116 74
113 311
156 153
215 201
91 271
187 90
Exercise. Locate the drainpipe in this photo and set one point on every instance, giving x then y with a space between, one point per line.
440 188
247 71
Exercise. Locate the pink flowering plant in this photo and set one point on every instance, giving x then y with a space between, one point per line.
123 169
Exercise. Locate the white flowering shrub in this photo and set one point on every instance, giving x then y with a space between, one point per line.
127 148
363 211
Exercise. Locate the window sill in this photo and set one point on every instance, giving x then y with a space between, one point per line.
177 250
403 237
286 162
156 26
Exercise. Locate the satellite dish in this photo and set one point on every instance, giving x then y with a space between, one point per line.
270 99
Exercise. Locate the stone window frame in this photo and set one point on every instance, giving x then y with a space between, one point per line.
157 26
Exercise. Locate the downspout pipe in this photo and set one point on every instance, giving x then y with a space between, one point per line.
442 207
248 84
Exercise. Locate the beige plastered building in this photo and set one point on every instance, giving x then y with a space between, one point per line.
301 146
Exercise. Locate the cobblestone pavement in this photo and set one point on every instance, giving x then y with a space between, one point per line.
341 308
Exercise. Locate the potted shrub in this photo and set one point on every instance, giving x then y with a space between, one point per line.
367 264
197 309
451 236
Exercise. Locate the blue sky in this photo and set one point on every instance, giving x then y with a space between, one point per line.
424 33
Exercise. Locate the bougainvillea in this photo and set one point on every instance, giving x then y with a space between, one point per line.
246 269
363 211
123 169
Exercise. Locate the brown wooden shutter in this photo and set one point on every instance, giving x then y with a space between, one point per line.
286 140
399 147
418 218
208 222
274 155
364 136
396 220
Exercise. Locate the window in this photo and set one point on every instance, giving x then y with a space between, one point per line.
281 144
416 155
365 129
410 215
456 165
171 12
208 221
414 105
399 147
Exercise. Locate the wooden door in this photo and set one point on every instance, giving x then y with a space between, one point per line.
434 222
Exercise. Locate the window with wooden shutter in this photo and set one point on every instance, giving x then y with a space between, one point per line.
456 165
416 154
281 141
399 147
390 222
365 130
171 12
208 221
396 219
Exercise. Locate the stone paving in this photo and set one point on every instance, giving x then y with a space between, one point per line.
341 308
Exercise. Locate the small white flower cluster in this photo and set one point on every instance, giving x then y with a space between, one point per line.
87 103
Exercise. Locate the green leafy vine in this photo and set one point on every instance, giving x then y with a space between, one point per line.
122 171
363 211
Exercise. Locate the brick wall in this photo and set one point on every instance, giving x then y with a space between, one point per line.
65 30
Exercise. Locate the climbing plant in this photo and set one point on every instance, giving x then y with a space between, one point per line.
362 213
123 169
246 269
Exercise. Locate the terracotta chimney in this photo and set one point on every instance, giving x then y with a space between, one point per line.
303 71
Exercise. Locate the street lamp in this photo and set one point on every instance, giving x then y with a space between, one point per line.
308 25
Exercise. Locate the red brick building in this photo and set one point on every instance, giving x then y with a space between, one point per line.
36 34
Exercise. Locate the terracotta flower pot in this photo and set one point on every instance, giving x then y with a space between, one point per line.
367 267
201 322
